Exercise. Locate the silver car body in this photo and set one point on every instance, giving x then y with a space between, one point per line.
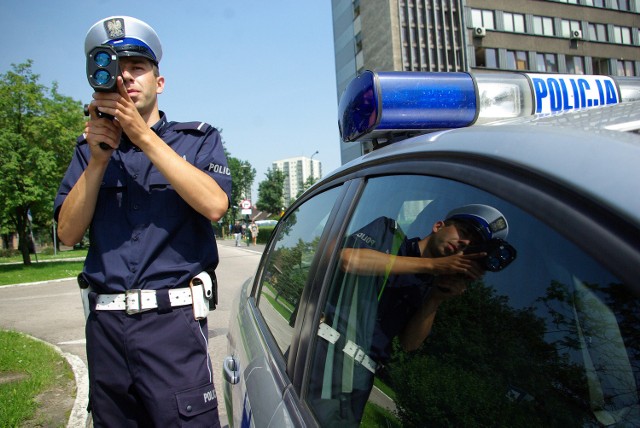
583 165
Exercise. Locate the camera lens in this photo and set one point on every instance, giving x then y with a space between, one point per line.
492 264
506 253
102 77
102 58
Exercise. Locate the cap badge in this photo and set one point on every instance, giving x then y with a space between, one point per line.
114 28
498 224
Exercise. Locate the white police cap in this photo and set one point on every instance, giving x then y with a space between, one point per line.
488 221
129 36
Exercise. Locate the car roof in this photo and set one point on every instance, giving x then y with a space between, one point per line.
616 117
577 149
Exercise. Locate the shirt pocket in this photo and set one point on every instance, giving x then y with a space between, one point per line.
111 197
164 201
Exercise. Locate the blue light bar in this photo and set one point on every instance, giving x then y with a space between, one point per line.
376 103
387 106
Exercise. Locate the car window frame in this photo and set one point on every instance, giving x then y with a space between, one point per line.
521 187
277 363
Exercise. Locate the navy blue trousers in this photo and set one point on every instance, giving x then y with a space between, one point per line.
150 370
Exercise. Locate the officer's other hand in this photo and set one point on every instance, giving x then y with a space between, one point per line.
459 264
448 286
104 130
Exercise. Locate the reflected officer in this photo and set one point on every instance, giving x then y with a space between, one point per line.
399 283
149 201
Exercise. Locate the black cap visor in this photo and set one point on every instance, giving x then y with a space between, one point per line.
135 50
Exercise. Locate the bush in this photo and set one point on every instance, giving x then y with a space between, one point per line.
439 394
6 253
264 233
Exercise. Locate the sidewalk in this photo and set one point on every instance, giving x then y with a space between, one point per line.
230 242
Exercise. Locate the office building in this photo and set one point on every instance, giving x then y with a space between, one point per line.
548 36
297 172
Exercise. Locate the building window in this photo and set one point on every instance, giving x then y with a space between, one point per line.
621 4
625 68
543 26
596 3
598 32
547 62
575 64
486 57
517 60
358 41
359 61
482 18
569 26
601 66
514 22
622 35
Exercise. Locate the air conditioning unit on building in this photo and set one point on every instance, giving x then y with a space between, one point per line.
479 32
576 34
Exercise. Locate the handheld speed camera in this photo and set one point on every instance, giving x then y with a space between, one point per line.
103 68
499 254
102 72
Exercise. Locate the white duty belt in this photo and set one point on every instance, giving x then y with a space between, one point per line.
351 348
138 300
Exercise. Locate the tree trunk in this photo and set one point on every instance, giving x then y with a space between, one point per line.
23 239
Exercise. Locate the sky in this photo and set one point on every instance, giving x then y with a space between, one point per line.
261 71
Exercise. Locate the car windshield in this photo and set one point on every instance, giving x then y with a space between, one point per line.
551 340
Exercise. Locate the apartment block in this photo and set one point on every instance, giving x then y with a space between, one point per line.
548 36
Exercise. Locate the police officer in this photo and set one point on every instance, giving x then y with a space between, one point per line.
149 201
395 286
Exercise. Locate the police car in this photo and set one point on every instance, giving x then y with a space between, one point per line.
549 338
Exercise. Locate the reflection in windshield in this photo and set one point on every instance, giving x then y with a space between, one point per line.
287 268
551 341
486 361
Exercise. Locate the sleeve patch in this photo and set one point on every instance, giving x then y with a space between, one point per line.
201 127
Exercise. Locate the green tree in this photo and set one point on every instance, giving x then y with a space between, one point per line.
38 128
486 361
271 192
242 177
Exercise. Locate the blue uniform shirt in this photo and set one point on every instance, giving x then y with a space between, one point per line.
143 234
402 295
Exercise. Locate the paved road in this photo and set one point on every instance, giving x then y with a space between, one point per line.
52 311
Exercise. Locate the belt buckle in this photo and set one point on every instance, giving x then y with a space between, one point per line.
136 292
359 355
365 361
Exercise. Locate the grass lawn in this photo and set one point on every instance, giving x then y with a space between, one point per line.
43 271
46 255
48 266
30 369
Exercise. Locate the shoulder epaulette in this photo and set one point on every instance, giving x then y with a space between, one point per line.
201 127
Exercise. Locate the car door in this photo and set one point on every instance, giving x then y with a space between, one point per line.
551 340
256 368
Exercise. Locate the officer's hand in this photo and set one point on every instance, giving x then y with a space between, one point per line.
448 286
101 130
458 264
119 105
